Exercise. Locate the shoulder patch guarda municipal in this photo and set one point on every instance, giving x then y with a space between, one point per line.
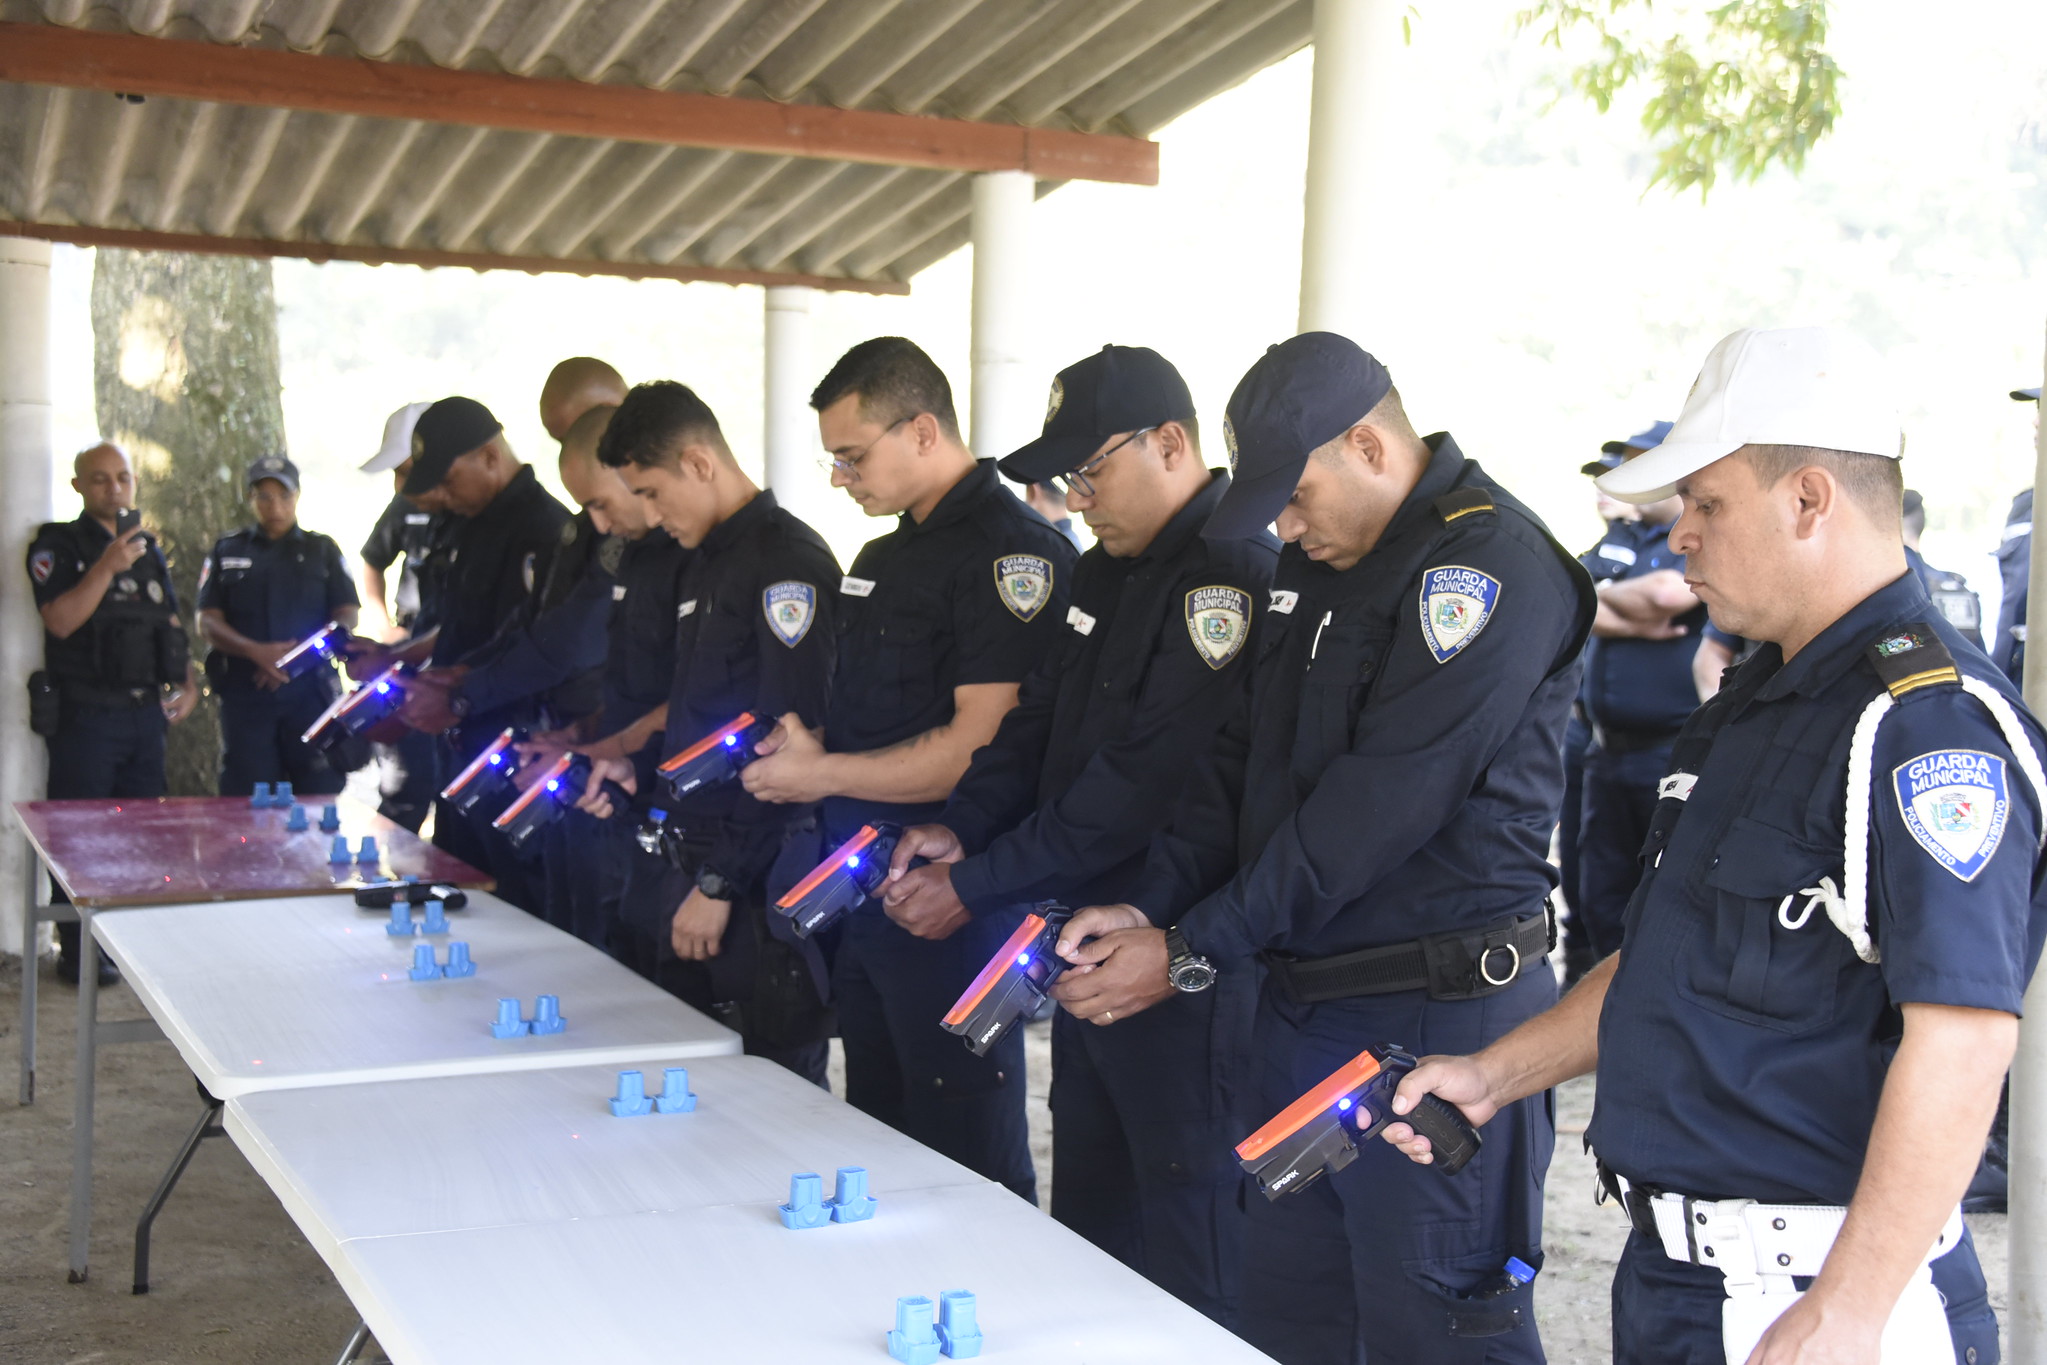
1909 657
1219 621
1456 603
1955 803
790 607
42 563
1024 583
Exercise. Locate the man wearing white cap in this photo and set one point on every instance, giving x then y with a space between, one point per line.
1818 991
405 533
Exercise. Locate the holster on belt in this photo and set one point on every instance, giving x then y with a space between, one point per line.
1460 964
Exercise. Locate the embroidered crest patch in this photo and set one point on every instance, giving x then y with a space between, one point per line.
155 591
1052 403
790 608
1456 603
40 564
1230 442
1901 643
1219 621
1955 803
1024 582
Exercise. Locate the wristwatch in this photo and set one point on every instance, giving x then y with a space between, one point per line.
1185 968
713 884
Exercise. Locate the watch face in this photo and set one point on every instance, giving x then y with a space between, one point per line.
1193 975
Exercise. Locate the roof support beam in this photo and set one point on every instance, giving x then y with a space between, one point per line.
46 54
469 260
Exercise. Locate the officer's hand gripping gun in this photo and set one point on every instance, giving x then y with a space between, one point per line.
715 758
384 895
854 872
543 803
317 650
489 776
360 711
1013 984
1321 1130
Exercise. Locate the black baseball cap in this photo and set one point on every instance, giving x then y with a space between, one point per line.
1614 454
278 467
2026 395
1117 389
446 431
1301 394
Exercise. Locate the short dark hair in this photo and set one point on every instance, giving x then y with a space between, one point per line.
655 422
1875 483
894 380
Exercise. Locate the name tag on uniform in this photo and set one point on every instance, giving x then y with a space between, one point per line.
1080 620
1283 601
418 518
232 562
685 608
856 587
618 592
1619 554
1678 786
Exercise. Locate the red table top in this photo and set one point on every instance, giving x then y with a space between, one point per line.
173 849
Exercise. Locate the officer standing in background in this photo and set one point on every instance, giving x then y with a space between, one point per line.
1044 497
1949 592
939 621
2015 564
1638 689
1374 823
405 534
112 642
1063 802
262 590
753 632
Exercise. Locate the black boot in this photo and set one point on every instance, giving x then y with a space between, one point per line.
67 957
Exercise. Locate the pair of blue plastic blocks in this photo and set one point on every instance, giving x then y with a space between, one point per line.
547 1018
263 796
401 925
807 1207
632 1099
424 968
338 852
917 1340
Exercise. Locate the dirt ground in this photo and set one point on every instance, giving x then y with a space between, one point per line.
233 1283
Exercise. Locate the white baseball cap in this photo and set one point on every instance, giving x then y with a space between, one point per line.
1791 386
397 447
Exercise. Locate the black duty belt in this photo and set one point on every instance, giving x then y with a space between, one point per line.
1631 739
81 693
1634 1199
1461 964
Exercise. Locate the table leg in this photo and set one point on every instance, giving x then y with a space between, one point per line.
357 1339
29 925
88 1055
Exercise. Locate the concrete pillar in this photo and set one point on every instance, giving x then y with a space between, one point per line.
1008 400
2026 1332
789 431
1359 198
25 490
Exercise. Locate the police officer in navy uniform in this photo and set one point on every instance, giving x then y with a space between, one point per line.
262 591
2015 565
1062 803
1637 692
112 642
1949 592
1374 823
753 632
939 622
405 535
1841 905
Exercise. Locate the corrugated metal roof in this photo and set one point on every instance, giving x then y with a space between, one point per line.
78 157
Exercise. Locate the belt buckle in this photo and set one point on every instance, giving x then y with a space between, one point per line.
1485 969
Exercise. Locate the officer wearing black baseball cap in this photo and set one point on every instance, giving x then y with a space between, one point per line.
1050 809
1373 823
262 590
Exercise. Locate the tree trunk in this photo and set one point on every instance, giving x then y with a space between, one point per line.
186 381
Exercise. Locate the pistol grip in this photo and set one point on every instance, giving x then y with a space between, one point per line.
1451 1138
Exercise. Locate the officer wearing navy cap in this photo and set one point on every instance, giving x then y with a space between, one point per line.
1949 592
1063 802
2015 567
1374 824
1637 692
1800 1043
263 590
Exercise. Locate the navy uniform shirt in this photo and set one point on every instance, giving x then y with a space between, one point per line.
1152 660
1641 685
1615 553
2014 565
1951 597
270 590
639 663
1397 767
551 649
118 646
753 632
491 562
1741 1058
402 530
975 593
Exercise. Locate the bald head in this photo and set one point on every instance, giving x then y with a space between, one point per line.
105 480
596 486
579 442
573 388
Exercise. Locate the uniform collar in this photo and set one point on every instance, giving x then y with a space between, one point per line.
960 499
1185 524
1439 476
1837 649
296 533
735 526
86 522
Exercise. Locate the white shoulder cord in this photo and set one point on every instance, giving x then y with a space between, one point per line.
1849 910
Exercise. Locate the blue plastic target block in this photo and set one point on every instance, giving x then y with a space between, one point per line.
436 918
330 820
368 852
850 1201
281 796
509 1024
424 968
295 821
259 798
914 1339
401 925
959 1335
675 1096
806 1207
458 960
631 1100
547 1015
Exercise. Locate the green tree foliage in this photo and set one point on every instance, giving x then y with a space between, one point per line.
1735 88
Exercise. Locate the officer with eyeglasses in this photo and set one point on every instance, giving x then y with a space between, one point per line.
939 622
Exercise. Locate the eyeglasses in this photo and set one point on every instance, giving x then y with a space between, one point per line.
1076 480
850 464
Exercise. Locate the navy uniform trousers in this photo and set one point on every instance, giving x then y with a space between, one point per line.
1667 1312
1396 1243
1619 797
259 741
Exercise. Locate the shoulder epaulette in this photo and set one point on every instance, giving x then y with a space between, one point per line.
1462 502
1910 657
